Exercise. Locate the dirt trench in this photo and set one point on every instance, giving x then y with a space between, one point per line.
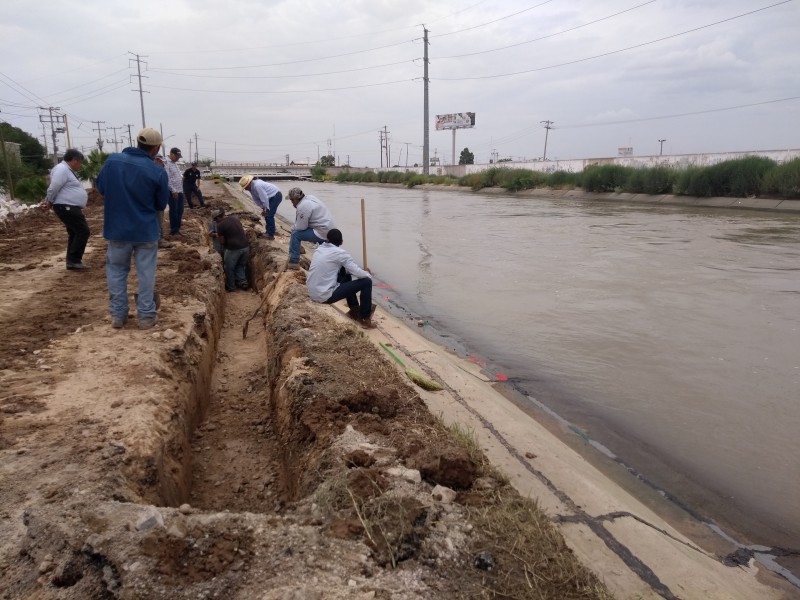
190 461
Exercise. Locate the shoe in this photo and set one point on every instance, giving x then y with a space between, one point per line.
353 314
118 323
293 266
244 286
367 323
372 310
77 267
148 323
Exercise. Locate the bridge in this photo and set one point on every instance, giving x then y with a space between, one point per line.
234 171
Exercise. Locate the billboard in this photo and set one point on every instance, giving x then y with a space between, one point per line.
462 120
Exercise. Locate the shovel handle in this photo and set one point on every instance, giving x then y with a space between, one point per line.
393 355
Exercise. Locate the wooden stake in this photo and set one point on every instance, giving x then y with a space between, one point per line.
364 233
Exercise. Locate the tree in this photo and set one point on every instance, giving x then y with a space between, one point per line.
467 157
327 161
90 168
32 160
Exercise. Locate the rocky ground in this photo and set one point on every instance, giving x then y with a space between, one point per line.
194 461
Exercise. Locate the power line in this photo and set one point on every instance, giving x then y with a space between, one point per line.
496 20
351 87
400 62
544 37
580 60
677 115
291 62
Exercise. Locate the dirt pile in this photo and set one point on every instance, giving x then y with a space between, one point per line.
189 461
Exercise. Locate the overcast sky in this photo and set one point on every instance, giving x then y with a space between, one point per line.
267 78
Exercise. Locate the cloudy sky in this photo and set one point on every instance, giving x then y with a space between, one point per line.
258 80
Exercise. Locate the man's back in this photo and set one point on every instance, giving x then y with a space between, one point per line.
313 214
134 188
230 228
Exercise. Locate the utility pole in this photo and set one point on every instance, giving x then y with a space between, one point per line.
548 125
99 134
426 117
407 154
5 160
53 120
114 141
139 76
44 136
661 150
190 149
196 149
130 137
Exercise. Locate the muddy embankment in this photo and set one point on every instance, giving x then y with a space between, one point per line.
192 461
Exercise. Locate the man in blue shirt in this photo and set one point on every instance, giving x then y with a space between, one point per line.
134 189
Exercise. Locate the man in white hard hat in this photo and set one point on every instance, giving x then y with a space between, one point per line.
267 196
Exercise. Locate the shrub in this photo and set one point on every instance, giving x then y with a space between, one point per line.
31 190
694 181
562 180
605 178
318 172
784 180
740 177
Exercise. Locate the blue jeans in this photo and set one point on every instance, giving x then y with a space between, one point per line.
235 262
274 201
175 213
303 235
118 265
348 290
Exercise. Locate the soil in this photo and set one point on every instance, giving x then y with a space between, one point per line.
253 445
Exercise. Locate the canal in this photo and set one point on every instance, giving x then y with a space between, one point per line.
668 335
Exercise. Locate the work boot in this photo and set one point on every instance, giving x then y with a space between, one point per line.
367 323
77 267
118 323
353 313
148 323
293 266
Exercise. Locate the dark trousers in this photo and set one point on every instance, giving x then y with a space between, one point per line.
348 288
269 219
77 231
175 213
189 191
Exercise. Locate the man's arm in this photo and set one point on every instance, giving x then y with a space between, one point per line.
351 267
57 180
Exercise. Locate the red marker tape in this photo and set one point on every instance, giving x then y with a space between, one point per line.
501 377
476 360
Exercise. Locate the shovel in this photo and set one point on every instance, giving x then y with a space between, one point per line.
414 375
247 323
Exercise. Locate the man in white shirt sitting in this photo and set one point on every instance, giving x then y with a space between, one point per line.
330 279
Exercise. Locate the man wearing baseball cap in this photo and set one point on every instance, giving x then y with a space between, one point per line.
175 192
134 189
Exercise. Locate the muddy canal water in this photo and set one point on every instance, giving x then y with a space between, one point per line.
669 335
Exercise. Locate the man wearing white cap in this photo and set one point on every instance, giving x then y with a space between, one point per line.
134 189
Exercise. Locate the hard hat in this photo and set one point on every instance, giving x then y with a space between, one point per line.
245 181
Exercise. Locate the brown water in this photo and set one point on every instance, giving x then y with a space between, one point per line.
669 335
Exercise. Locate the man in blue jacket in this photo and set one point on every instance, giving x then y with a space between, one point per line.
134 189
